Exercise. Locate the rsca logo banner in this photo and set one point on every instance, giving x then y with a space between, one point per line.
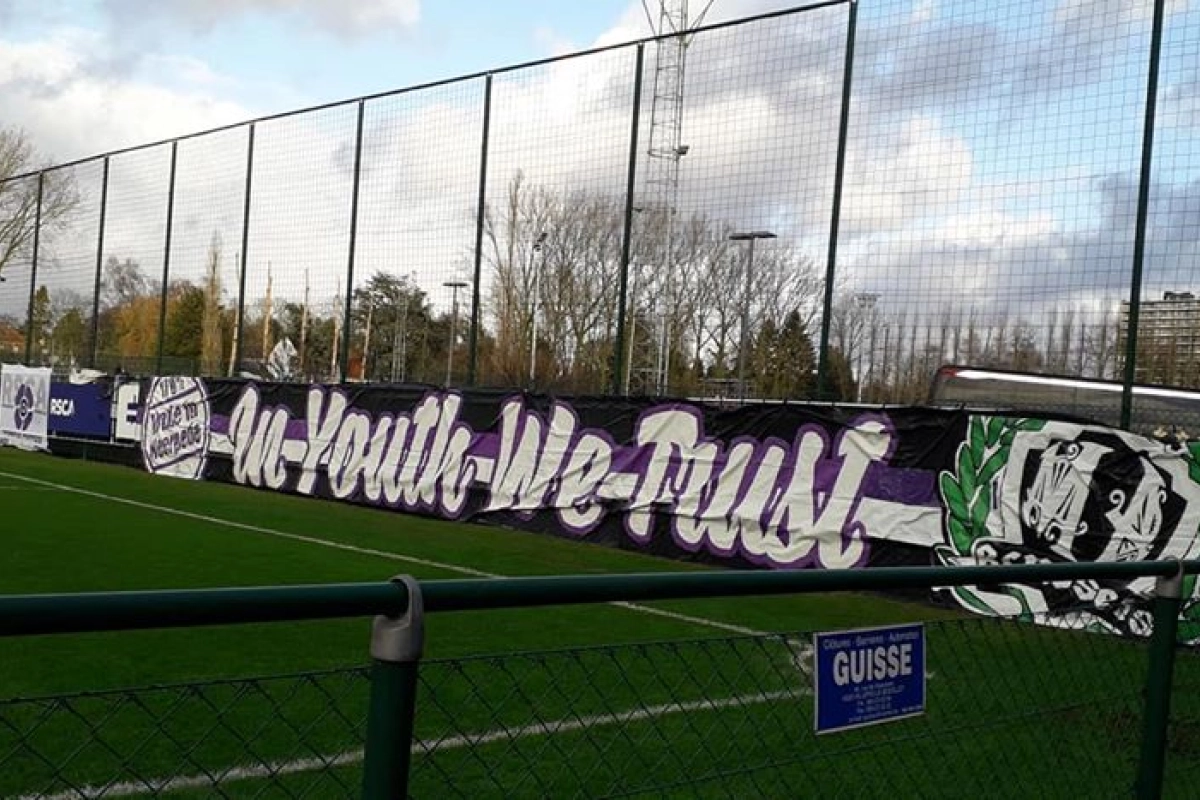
80 409
24 406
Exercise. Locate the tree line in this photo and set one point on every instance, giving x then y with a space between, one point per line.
199 327
700 319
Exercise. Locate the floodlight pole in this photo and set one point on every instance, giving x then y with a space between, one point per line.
536 265
751 237
453 286
400 337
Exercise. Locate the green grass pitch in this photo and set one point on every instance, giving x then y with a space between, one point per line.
56 540
565 701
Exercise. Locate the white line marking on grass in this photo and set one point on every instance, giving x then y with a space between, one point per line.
367 551
675 615
156 786
296 537
573 724
275 769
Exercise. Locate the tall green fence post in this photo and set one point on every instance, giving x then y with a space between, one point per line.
1156 714
396 647
1143 211
480 218
824 387
99 268
352 249
33 269
619 366
242 261
165 289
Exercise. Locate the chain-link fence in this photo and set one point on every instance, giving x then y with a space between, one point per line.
298 736
829 201
734 718
1028 705
1026 710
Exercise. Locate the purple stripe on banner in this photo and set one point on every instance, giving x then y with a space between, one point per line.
912 487
296 429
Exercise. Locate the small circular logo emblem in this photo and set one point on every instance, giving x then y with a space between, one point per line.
23 413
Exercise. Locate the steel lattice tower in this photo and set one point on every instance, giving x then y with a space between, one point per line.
660 191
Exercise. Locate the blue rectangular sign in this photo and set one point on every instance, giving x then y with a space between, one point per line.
868 676
80 409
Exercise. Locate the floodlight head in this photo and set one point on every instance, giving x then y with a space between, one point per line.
746 236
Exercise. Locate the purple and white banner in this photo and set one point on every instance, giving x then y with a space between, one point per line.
775 486
24 406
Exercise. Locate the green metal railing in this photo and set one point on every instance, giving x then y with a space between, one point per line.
489 724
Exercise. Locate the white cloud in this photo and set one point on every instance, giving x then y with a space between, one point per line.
342 17
551 43
58 90
926 218
50 88
923 11
1093 13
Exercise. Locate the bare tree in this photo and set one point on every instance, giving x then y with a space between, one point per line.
555 260
700 308
19 212
854 327
579 262
513 234
210 337
715 313
1102 345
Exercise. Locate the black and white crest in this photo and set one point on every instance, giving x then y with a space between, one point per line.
1069 492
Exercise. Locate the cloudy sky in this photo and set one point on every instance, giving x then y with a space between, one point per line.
91 75
992 158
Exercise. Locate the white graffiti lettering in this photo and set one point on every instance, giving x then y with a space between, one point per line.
257 439
769 501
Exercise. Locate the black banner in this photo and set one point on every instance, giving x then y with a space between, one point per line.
778 486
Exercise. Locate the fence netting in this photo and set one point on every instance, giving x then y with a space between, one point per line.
1012 707
866 189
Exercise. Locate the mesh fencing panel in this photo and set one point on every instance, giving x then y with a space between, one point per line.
1012 707
1183 730
558 159
1168 347
206 242
18 215
988 215
418 198
67 266
280 266
292 736
726 718
131 270
760 108
986 204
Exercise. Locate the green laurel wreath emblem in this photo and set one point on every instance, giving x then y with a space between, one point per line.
1192 454
967 495
1189 623
967 490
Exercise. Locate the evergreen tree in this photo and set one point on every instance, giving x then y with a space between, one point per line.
37 328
